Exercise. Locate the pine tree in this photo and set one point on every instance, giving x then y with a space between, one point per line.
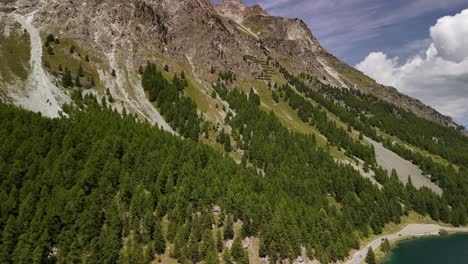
263 249
108 245
275 97
50 38
158 237
253 97
80 71
410 181
370 258
385 246
227 258
444 212
9 238
113 73
194 251
211 258
42 248
23 251
179 244
67 79
77 81
227 144
219 241
208 245
237 251
148 227
228 228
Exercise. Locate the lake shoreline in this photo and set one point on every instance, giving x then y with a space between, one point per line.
411 231
397 242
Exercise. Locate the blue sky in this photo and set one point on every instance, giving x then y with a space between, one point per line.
418 46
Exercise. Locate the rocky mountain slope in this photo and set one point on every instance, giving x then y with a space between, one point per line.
197 36
291 40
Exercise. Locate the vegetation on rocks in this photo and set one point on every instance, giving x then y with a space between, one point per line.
365 113
178 110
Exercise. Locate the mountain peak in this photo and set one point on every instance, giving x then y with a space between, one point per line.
238 11
232 2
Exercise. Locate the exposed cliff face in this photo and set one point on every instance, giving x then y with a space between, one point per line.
198 36
238 11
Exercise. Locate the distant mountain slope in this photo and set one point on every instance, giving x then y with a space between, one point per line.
291 40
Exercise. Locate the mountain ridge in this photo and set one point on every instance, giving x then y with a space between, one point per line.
173 22
389 94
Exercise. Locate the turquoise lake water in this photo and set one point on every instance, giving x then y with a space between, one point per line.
439 250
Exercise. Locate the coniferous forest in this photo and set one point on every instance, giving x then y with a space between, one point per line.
366 113
97 187
213 132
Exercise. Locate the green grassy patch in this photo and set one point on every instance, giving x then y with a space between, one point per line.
257 29
286 115
334 118
332 201
63 58
204 101
356 77
243 32
285 63
15 51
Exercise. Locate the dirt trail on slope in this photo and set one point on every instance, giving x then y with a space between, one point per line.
390 160
41 94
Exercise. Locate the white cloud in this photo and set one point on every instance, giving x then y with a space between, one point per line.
380 67
439 77
450 36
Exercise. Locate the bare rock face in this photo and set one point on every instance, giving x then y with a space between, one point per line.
233 9
188 31
287 39
238 11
